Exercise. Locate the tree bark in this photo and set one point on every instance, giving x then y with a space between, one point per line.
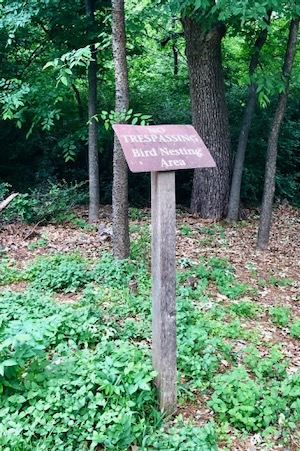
235 191
269 186
121 244
93 155
210 117
79 102
175 56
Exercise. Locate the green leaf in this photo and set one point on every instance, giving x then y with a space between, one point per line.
64 80
9 362
132 389
17 399
49 64
144 386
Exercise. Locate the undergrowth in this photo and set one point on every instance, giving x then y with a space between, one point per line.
52 202
77 376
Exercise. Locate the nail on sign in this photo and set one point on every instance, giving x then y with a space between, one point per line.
162 148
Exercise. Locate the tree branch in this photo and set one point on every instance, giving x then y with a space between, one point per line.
7 201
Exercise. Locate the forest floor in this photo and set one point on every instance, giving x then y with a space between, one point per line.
267 311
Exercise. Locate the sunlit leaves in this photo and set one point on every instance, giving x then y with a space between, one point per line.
268 86
64 65
12 98
115 117
243 12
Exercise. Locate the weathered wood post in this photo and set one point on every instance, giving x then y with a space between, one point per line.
163 287
161 150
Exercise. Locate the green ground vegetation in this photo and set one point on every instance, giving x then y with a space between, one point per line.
77 375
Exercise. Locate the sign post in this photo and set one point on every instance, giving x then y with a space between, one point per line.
163 287
161 150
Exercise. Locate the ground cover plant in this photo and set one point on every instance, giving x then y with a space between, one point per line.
75 342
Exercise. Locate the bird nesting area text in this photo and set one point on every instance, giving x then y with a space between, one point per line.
162 148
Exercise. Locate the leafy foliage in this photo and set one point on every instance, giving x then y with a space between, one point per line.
213 270
55 364
44 112
280 315
54 202
78 375
114 117
88 379
295 329
245 308
253 404
8 271
65 273
183 437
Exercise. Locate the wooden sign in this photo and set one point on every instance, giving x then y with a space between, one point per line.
162 148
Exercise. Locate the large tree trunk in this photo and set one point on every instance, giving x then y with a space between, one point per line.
235 191
210 118
93 156
121 245
269 186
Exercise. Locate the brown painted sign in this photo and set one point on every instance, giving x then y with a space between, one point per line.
157 148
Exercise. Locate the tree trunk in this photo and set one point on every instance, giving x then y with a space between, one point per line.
210 117
269 186
79 102
121 245
93 156
235 191
175 56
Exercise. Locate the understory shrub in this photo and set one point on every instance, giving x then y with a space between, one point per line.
254 404
4 190
8 271
182 438
66 382
215 271
100 396
60 272
77 376
70 272
52 202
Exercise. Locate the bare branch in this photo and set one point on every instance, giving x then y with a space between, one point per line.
7 201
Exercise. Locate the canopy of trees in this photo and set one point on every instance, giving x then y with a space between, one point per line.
210 63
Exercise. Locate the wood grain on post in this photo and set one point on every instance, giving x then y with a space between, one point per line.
163 287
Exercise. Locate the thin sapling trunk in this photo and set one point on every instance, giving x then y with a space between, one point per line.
269 186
